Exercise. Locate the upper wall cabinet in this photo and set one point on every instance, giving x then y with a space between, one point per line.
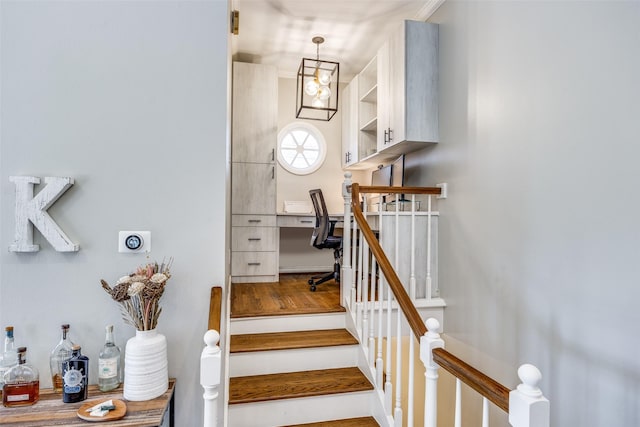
408 88
350 123
255 119
397 98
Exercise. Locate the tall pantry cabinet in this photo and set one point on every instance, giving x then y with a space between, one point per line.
254 238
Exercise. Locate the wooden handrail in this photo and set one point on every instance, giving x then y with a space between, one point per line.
215 308
399 190
481 383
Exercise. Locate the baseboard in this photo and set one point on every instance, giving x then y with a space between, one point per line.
306 269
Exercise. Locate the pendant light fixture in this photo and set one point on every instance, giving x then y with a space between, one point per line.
317 87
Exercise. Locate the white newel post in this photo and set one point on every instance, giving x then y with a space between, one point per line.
527 406
430 341
210 365
346 276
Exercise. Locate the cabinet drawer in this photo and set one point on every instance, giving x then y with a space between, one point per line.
253 220
253 263
296 221
253 238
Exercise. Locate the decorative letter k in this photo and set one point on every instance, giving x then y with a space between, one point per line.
32 211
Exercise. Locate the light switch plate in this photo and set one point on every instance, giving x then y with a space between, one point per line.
134 241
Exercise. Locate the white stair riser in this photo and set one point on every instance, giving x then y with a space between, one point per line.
304 359
301 410
255 325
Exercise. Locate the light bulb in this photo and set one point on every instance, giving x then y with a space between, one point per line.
317 102
324 92
311 88
324 77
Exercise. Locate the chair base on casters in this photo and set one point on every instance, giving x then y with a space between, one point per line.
335 274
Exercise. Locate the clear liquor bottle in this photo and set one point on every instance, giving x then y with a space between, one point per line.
75 377
22 383
109 363
9 356
59 355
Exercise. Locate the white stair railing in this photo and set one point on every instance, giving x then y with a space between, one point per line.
386 319
210 366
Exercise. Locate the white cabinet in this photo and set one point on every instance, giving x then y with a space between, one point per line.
396 110
408 86
368 110
255 113
350 124
254 188
254 255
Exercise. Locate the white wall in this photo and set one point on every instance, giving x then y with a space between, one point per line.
130 99
539 124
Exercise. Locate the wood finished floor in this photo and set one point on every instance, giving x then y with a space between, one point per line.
289 296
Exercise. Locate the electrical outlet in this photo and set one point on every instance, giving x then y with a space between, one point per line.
134 241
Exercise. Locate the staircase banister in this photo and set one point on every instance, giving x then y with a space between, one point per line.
215 308
399 190
402 298
481 383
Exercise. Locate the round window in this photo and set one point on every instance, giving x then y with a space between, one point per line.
301 148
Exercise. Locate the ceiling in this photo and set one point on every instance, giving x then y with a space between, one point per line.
279 32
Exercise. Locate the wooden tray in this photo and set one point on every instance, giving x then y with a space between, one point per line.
115 414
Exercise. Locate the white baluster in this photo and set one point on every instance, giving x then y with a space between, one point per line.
354 251
365 305
457 420
388 383
372 341
527 406
346 273
430 341
429 243
412 279
397 415
410 385
379 361
485 412
210 366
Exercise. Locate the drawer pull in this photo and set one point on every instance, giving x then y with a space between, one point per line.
254 239
253 263
255 220
306 221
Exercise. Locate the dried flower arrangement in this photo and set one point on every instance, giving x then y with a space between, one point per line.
139 294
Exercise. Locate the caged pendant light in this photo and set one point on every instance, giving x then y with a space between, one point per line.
317 87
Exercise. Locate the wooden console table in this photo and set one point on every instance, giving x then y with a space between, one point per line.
51 411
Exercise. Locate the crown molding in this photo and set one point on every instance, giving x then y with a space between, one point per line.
428 9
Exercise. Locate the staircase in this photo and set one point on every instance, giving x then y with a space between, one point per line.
295 366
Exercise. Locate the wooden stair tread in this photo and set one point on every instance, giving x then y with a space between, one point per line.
259 388
289 296
350 422
290 340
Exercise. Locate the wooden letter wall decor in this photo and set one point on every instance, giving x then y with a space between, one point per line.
32 211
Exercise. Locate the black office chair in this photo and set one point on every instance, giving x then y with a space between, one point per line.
323 238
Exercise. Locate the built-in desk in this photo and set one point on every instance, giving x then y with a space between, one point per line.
295 253
51 411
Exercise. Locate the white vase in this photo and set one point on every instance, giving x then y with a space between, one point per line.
146 374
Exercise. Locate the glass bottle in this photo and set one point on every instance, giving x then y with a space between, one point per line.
9 356
59 355
75 377
21 383
109 363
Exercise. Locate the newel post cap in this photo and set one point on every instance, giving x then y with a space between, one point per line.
527 406
210 360
430 341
